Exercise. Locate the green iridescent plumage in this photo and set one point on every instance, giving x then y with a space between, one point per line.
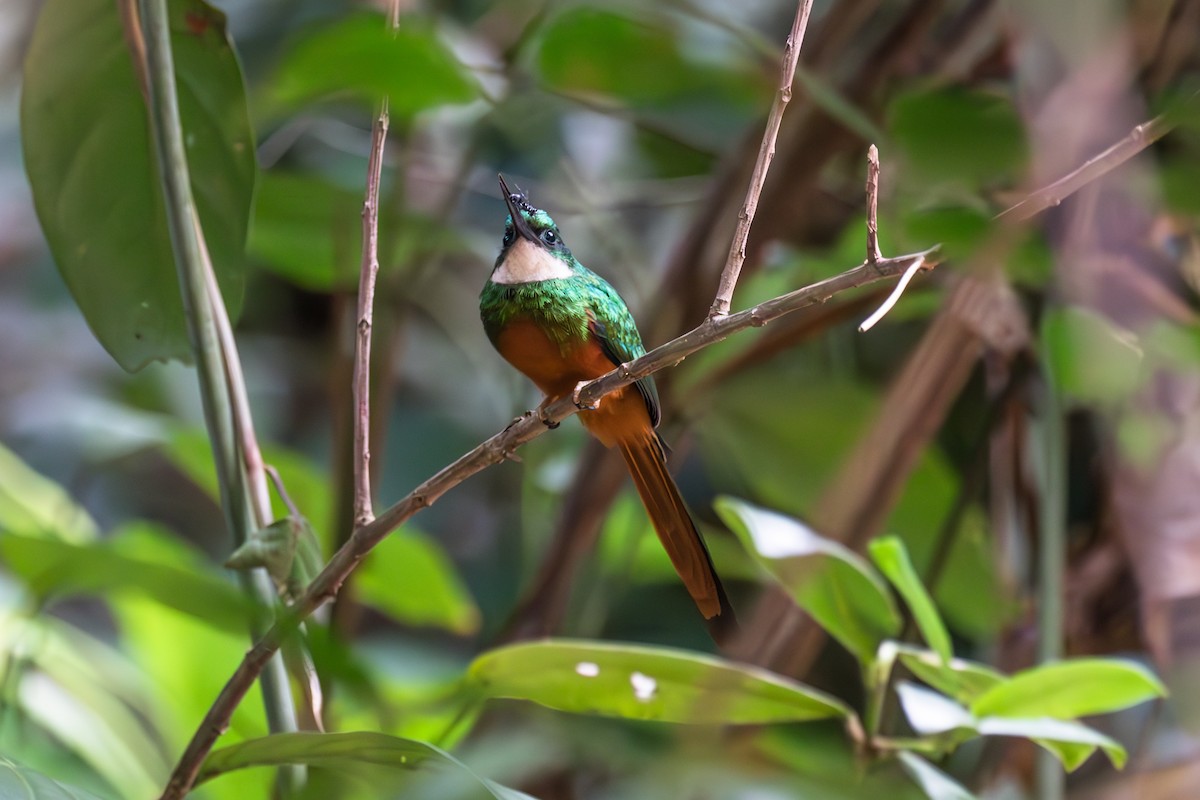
568 309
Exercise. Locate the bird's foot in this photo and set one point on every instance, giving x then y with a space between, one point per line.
541 413
579 403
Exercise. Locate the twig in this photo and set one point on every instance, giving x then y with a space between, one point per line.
496 449
766 153
368 271
892 298
873 253
363 510
1141 137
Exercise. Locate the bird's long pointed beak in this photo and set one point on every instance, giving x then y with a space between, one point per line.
511 199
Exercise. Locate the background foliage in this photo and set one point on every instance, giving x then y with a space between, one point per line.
917 454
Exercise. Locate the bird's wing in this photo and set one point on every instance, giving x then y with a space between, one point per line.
613 327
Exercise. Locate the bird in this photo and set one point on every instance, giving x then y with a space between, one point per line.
561 325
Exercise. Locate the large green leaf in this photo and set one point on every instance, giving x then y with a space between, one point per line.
833 584
636 682
96 188
979 137
890 555
141 559
1070 689
33 505
1090 359
411 67
410 578
349 751
21 783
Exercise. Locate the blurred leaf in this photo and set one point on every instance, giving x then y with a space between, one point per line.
410 578
936 784
94 181
103 734
347 751
934 715
185 662
17 781
825 95
931 713
586 50
958 135
32 505
1068 689
959 229
1090 359
124 564
833 584
297 219
1180 175
411 67
775 437
890 555
1071 742
308 485
957 678
636 682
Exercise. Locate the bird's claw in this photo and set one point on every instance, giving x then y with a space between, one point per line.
579 403
541 413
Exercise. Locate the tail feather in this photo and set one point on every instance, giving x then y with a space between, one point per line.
647 465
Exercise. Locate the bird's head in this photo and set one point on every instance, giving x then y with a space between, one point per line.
531 235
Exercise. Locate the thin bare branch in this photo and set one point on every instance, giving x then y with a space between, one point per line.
1141 137
873 253
364 510
766 153
892 298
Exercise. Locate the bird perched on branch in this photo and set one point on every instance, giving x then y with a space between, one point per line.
561 325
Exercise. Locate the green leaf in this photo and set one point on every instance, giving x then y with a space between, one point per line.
963 680
636 682
17 781
349 751
590 51
1070 689
96 188
308 485
1071 742
139 559
836 586
298 222
33 505
936 784
979 137
411 67
411 579
1090 359
890 555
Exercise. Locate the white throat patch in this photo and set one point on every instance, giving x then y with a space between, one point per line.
526 262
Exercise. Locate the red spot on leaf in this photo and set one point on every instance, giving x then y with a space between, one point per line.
197 24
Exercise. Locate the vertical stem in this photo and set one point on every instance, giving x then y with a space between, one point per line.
364 511
203 330
766 154
1051 781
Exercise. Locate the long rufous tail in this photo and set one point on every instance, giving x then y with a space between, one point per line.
647 465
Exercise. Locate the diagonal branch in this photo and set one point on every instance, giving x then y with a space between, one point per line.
496 449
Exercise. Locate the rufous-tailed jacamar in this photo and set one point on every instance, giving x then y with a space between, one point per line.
562 324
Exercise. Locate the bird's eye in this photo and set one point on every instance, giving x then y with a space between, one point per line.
508 234
549 237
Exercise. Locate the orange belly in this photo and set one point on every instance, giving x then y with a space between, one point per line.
557 371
